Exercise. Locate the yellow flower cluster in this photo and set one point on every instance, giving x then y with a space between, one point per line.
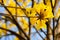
39 14
44 13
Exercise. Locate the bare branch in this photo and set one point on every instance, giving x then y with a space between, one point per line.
6 35
38 32
12 32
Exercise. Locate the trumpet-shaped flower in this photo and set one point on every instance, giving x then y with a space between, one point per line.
44 13
40 24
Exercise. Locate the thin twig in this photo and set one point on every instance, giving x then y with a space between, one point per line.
44 2
32 3
5 35
29 28
4 14
38 33
43 32
53 18
57 23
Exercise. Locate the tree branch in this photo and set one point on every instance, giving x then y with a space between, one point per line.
5 35
16 23
12 32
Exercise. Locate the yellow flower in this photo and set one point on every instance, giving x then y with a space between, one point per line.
48 12
13 10
44 13
24 24
38 7
28 9
33 20
30 12
20 12
40 24
48 2
12 3
4 26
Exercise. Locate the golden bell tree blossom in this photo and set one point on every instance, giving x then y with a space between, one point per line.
44 12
